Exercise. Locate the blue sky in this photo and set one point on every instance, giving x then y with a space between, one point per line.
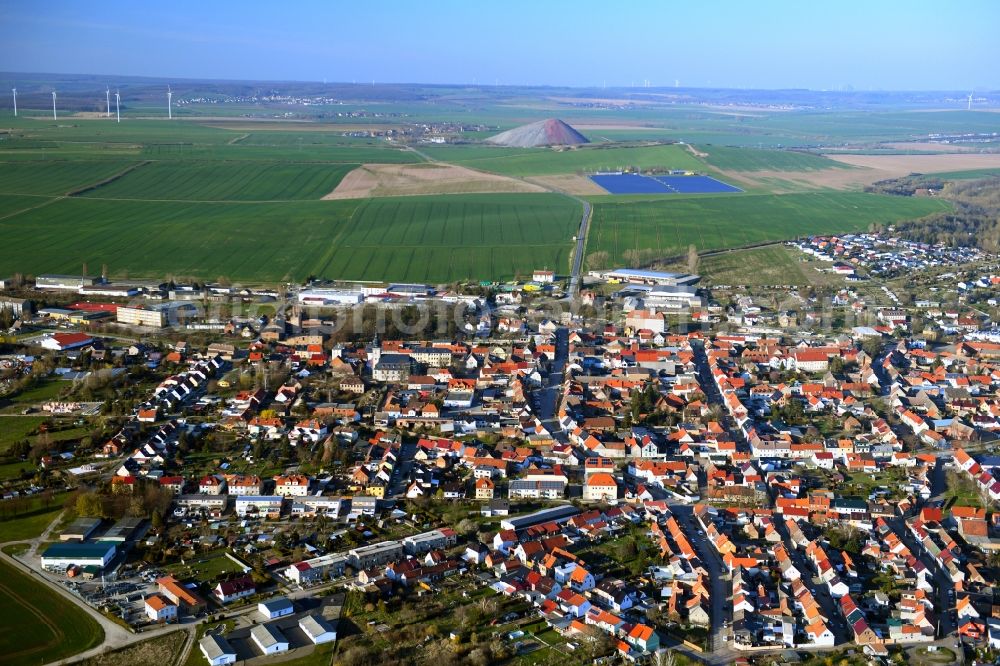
915 45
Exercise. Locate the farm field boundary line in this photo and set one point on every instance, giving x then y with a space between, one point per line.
48 200
110 179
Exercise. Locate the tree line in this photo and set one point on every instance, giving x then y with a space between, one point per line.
974 220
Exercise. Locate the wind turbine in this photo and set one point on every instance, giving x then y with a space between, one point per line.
970 102
14 90
118 110
54 116
170 99
107 97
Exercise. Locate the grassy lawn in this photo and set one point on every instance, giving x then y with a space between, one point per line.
205 568
13 470
862 484
15 428
30 524
960 491
154 652
44 391
320 656
195 657
772 265
38 625
941 656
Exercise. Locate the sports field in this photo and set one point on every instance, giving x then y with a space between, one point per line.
636 233
37 626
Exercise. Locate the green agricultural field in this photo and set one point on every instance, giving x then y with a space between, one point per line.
636 233
750 159
247 241
971 174
11 204
224 181
38 626
92 139
106 131
286 153
439 238
282 137
54 178
545 161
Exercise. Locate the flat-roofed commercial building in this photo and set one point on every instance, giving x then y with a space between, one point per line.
80 529
61 555
64 282
640 276
156 315
18 307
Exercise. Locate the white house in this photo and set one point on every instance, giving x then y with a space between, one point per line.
317 629
291 486
274 608
160 609
269 639
600 487
262 505
232 590
217 650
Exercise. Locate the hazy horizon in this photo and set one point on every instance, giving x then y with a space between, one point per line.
782 45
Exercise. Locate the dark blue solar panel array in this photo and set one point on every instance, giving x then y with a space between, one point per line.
695 184
631 183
